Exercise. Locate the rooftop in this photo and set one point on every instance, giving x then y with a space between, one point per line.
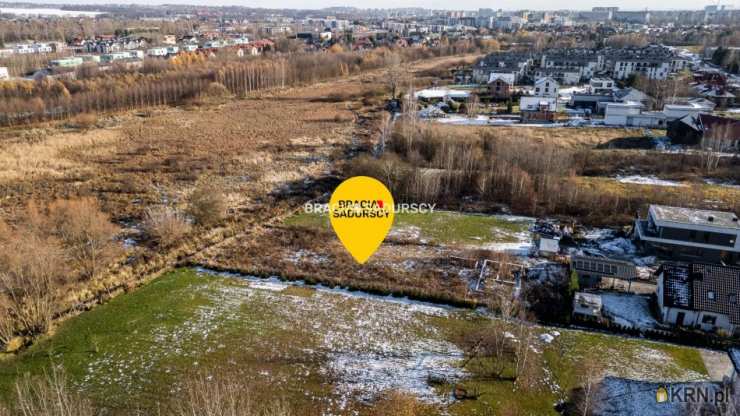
691 216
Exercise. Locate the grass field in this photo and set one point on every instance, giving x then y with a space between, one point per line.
442 227
322 350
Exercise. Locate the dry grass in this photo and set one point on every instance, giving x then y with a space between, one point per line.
567 137
38 153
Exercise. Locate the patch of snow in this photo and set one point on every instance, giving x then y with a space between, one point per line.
631 311
546 338
272 284
722 184
647 180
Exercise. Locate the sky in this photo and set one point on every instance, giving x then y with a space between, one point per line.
432 4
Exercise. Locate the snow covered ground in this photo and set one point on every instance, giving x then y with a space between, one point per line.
647 180
371 343
624 397
628 310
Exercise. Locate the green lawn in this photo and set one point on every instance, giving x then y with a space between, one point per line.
136 350
443 227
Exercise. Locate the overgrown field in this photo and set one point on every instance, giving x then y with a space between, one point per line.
540 172
320 350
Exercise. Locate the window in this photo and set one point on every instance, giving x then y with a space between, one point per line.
732 298
710 295
709 319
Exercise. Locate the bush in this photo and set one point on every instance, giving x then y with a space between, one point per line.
396 403
223 395
49 396
86 232
207 203
165 225
84 121
216 90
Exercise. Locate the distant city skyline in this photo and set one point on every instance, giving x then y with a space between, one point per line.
429 4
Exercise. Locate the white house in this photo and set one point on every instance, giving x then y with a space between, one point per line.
631 114
533 103
4 72
546 87
587 305
161 51
700 296
599 85
676 111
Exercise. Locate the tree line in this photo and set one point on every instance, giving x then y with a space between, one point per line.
174 83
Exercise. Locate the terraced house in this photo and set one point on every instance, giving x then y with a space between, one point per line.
507 64
573 65
652 61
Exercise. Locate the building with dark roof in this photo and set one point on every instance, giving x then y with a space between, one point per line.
700 295
720 133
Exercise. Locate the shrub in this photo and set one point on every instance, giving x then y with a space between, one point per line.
165 225
84 121
216 90
396 403
86 232
223 395
31 268
207 203
50 395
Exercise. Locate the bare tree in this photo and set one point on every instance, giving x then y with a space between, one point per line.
712 144
592 371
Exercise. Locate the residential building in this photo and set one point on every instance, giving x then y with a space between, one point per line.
601 85
689 234
631 114
502 62
641 17
700 296
115 56
652 61
535 108
681 110
592 270
69 62
584 61
499 85
587 306
157 52
634 95
546 87
719 133
562 76
595 103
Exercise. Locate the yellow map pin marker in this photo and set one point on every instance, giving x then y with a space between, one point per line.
361 213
